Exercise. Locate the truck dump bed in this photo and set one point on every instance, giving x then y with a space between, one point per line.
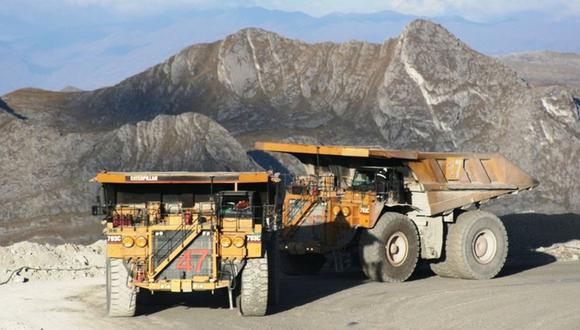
440 181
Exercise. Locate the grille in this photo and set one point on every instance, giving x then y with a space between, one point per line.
194 260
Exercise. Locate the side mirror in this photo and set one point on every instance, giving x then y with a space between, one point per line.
97 210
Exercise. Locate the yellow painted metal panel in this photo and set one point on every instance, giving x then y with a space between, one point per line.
257 177
200 279
105 177
254 249
182 177
476 171
186 286
176 285
397 154
115 251
453 168
313 149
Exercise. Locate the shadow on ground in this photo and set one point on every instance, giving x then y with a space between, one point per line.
529 231
295 291
526 233
150 304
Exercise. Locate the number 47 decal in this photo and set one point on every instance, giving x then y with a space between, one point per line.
185 261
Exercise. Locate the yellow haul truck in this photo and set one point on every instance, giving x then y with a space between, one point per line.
395 207
186 232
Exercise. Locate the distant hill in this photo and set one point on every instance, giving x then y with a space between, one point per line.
88 47
424 90
546 68
71 89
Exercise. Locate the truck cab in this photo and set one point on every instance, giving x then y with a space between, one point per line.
187 232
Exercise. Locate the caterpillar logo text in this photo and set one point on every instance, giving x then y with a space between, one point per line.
143 178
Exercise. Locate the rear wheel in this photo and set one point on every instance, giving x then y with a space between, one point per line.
442 269
121 295
306 264
253 299
476 247
389 252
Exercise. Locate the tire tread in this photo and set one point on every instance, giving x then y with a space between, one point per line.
456 264
254 287
370 248
121 299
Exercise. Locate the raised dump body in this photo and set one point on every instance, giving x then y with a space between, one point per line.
187 232
348 190
446 180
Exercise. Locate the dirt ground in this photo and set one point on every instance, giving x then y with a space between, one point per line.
535 296
63 287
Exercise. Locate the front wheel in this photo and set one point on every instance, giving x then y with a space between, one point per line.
121 295
389 252
254 287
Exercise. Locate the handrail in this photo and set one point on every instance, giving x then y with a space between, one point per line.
179 230
310 201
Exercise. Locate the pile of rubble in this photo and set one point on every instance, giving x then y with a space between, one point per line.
567 251
26 261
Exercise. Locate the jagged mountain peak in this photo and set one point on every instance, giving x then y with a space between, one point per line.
423 27
425 90
253 31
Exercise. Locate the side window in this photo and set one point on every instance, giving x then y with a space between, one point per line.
363 180
236 204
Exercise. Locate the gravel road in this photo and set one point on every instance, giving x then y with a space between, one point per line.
523 298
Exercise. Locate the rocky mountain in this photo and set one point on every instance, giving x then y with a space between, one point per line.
88 44
546 68
46 193
424 90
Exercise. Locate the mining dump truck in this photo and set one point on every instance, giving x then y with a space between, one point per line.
396 207
187 232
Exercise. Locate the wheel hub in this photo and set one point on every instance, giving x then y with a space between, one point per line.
397 249
484 246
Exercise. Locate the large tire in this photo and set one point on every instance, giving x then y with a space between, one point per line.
442 266
254 287
389 252
476 247
306 264
121 296
442 269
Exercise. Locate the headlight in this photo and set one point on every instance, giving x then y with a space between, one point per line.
336 210
226 241
239 241
345 211
128 241
141 241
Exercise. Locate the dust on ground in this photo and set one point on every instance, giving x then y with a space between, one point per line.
26 261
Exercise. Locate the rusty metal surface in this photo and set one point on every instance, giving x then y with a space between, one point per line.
439 181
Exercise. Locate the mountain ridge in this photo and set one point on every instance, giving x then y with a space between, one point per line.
90 47
545 68
425 90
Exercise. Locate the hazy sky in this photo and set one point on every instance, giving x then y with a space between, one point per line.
93 43
479 10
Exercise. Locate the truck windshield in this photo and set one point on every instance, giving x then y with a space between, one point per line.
237 204
364 180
